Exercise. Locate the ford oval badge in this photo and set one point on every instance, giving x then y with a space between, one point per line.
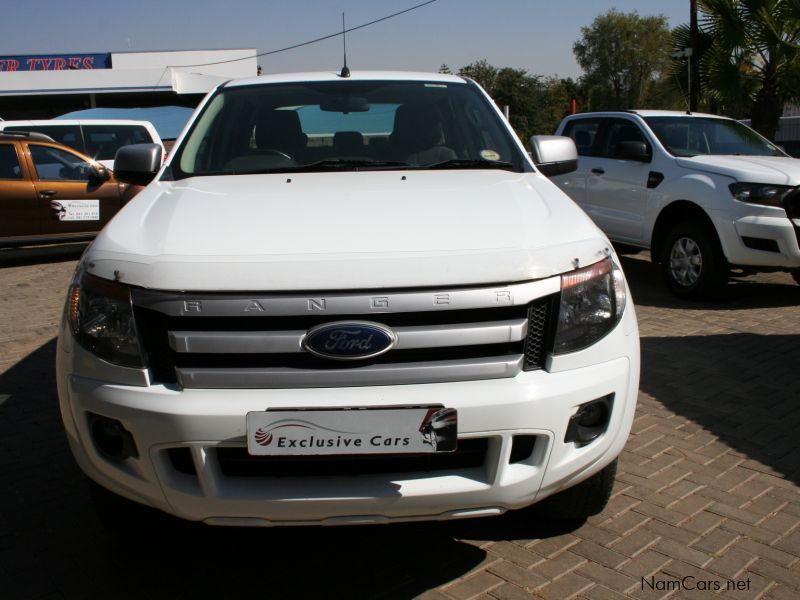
349 340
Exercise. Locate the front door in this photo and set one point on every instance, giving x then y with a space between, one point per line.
70 195
19 211
616 188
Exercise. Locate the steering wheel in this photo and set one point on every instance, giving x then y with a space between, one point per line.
275 153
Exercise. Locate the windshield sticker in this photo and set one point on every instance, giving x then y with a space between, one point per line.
489 155
76 210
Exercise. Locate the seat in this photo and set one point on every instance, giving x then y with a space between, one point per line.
280 130
348 143
278 138
418 136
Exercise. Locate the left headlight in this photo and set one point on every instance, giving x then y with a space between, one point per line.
759 193
592 303
101 318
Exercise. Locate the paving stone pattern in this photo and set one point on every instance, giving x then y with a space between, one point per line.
706 503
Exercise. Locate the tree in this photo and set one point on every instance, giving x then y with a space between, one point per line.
482 72
445 70
623 57
749 57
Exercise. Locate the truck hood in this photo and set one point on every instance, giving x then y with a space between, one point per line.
779 170
331 231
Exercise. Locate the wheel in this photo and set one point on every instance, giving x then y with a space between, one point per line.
579 502
692 262
118 514
273 152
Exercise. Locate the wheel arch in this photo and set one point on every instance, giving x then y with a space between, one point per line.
676 212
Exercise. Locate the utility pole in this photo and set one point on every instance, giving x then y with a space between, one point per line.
694 58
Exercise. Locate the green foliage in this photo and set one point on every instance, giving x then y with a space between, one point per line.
749 57
536 104
624 58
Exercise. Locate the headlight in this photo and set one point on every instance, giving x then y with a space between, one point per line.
101 319
592 302
759 193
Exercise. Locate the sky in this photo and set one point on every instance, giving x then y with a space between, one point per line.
536 35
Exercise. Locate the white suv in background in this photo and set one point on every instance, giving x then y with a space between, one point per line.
348 299
704 193
97 138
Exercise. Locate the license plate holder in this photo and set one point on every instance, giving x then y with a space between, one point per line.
411 430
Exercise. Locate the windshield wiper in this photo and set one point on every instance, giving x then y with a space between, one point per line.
335 164
470 163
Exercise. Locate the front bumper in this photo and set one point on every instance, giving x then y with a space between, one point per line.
760 237
200 422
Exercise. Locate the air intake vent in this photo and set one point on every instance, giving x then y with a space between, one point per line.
539 338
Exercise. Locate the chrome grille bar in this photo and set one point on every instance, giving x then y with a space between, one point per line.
267 342
389 374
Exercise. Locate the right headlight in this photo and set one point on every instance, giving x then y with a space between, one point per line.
592 303
101 319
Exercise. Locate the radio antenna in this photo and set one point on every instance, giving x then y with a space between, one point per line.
345 71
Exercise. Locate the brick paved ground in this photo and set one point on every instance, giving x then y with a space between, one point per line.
709 484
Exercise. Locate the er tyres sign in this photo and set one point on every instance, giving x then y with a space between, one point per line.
55 62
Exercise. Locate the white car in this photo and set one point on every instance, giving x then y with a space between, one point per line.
348 300
97 138
704 193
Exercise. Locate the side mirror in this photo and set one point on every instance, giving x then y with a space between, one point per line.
100 174
137 164
554 154
632 151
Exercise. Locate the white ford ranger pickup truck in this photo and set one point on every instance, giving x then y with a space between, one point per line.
348 300
706 194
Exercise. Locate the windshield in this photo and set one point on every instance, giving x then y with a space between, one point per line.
346 125
690 136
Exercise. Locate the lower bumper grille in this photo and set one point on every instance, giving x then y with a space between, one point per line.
237 462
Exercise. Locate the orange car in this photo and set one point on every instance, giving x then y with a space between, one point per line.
51 193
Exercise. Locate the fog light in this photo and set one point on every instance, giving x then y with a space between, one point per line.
590 421
111 438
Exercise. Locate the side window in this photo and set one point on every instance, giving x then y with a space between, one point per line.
103 141
53 164
584 133
69 135
620 130
9 162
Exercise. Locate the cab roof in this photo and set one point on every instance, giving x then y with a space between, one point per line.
354 76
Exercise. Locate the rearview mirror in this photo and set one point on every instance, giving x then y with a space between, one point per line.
344 104
554 154
137 164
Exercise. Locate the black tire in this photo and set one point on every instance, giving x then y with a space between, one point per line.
118 514
582 501
692 263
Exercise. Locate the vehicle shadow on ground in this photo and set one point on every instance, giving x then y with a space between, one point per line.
53 546
740 387
17 257
648 289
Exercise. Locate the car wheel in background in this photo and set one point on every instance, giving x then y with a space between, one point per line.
692 262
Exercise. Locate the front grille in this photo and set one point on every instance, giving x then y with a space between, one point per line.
236 462
223 350
792 205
